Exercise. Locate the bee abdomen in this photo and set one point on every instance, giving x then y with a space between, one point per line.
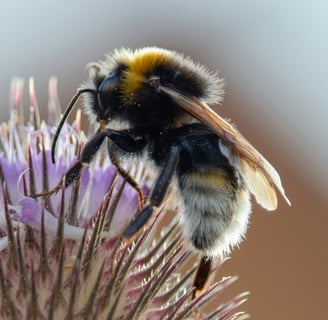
216 211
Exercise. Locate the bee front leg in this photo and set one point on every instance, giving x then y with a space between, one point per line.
158 194
121 139
88 152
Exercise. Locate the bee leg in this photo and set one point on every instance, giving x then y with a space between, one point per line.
123 140
88 152
202 275
130 180
158 194
128 144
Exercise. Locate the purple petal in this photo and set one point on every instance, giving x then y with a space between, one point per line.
12 172
31 212
100 182
126 208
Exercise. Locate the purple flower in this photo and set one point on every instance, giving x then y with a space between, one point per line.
61 255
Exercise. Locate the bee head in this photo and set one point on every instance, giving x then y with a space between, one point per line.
127 86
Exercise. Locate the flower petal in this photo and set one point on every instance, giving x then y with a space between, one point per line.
30 213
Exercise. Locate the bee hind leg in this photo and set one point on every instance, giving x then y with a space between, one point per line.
158 194
202 275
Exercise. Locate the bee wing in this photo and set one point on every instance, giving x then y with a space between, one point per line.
259 175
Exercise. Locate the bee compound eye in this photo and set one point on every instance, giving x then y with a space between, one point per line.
106 89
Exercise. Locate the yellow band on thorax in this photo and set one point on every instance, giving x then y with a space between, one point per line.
141 64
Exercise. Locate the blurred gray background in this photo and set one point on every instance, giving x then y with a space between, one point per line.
274 57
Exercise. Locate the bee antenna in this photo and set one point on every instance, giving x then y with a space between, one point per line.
65 116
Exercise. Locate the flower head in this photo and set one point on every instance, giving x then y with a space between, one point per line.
62 257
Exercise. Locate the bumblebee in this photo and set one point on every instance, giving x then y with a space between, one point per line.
155 105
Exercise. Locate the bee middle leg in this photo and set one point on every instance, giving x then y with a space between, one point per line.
131 181
158 194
